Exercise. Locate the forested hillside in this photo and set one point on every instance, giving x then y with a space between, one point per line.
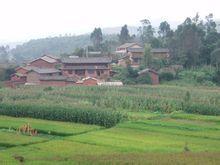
53 45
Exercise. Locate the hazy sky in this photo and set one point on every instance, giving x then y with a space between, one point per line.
26 19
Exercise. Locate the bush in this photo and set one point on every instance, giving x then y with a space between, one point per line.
144 79
216 77
48 89
87 115
166 76
201 109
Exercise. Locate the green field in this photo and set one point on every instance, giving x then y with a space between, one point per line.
155 128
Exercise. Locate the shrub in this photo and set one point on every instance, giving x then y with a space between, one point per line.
166 76
144 79
48 89
216 77
202 109
87 115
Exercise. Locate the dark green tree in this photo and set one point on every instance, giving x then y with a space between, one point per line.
215 58
146 31
210 41
164 29
4 53
188 42
124 35
79 52
147 56
96 38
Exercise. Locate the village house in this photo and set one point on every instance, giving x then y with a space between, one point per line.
95 67
160 53
130 53
46 61
133 53
35 75
153 75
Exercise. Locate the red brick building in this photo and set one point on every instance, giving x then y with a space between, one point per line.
131 53
57 81
160 53
35 75
153 74
45 61
95 67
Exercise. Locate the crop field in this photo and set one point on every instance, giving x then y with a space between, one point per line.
108 125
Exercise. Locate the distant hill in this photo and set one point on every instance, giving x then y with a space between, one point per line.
52 45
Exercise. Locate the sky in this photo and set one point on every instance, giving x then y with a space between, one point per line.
22 20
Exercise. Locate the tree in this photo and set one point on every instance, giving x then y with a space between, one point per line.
210 24
146 31
124 35
96 38
210 41
79 52
215 58
188 42
164 29
147 56
4 53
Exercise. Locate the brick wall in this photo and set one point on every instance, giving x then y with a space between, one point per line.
154 78
21 71
33 77
42 64
53 83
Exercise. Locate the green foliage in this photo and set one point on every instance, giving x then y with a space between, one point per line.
124 35
5 73
147 56
146 31
127 75
166 76
53 45
187 97
144 79
216 77
79 52
48 89
202 75
96 38
215 58
201 109
76 114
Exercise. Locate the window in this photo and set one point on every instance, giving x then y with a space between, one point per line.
99 72
80 72
136 60
91 71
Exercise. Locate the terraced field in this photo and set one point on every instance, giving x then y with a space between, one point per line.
143 136
179 138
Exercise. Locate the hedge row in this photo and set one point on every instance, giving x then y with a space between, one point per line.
87 115
201 109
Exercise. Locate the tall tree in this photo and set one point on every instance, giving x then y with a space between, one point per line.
124 35
164 29
96 38
210 23
188 41
146 31
215 58
165 34
147 56
4 53
210 41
